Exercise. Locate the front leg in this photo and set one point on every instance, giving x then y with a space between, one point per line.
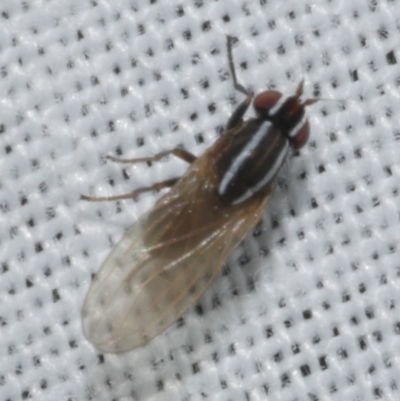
237 116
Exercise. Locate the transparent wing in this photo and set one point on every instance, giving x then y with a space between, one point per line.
165 262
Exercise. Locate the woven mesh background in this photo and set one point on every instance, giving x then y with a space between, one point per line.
306 309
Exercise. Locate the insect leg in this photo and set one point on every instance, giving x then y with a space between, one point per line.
178 152
236 84
237 116
133 194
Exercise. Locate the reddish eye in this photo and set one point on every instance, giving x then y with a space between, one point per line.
299 137
265 101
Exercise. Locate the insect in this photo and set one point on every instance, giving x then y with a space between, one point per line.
169 257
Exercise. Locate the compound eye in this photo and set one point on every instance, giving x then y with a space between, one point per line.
267 103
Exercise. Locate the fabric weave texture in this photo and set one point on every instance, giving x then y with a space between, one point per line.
307 308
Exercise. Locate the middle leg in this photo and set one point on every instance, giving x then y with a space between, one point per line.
178 152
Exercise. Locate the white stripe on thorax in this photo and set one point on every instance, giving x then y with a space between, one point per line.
243 155
273 110
295 130
274 169
270 174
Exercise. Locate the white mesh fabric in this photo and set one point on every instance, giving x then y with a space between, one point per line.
308 309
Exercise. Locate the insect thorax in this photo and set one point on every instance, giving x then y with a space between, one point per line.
252 160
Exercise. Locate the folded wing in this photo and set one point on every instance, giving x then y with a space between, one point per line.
165 261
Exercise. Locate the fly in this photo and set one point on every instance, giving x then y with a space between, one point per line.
169 257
